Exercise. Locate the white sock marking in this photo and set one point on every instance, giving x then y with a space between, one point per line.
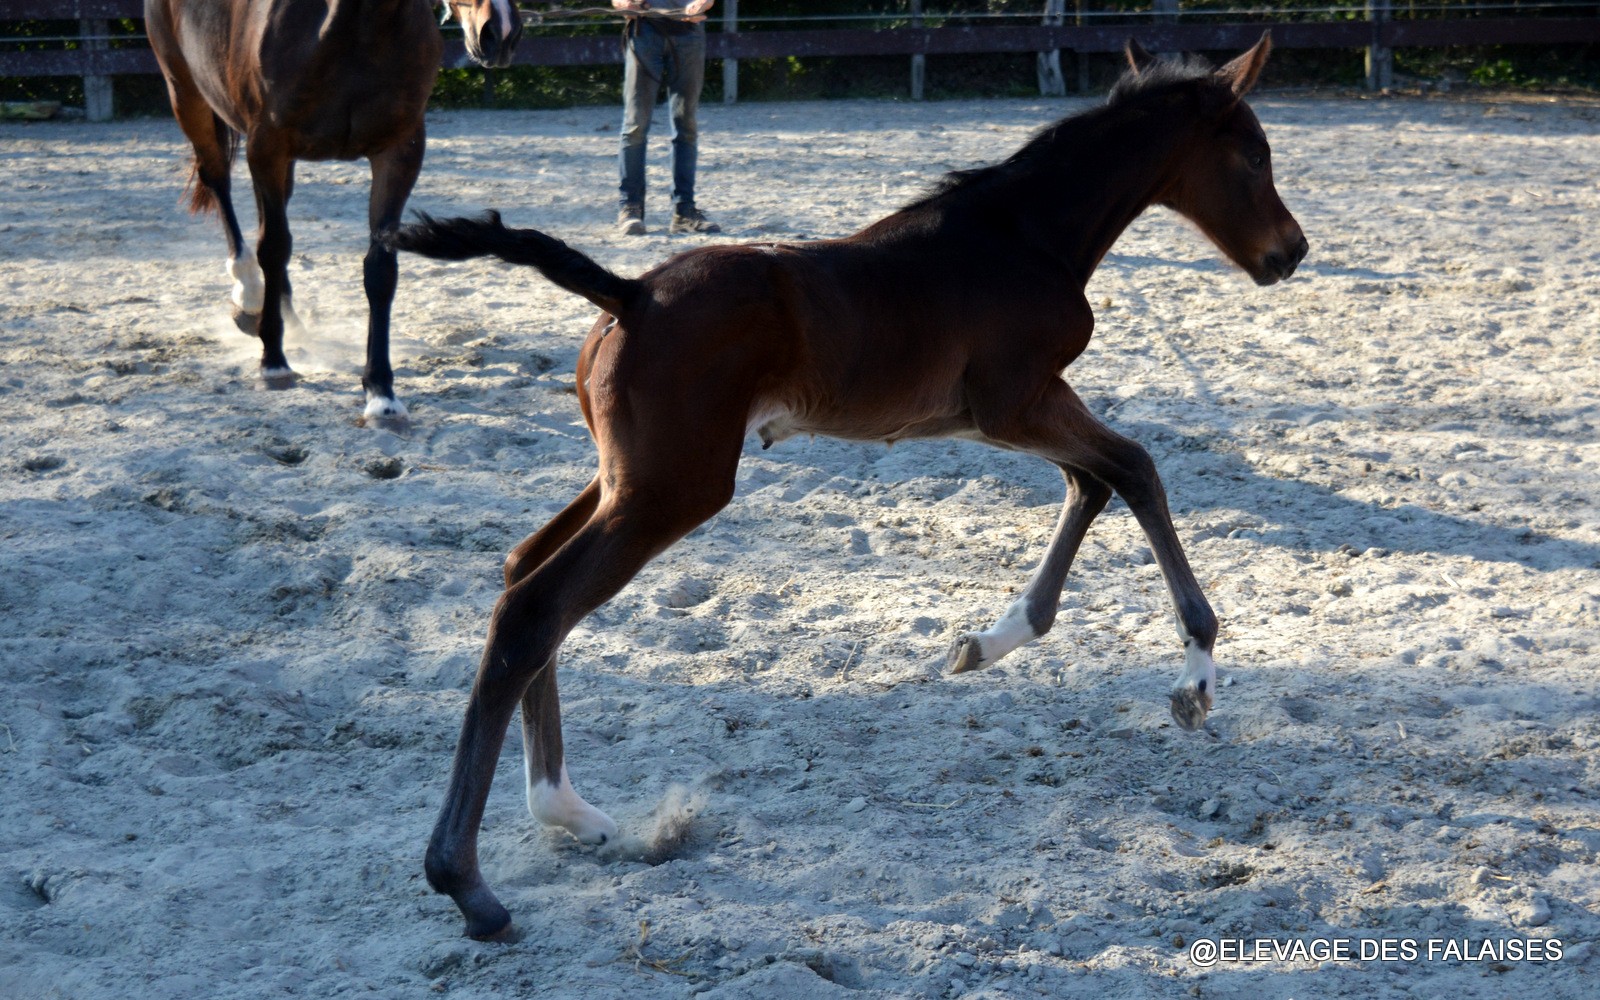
249 290
1012 630
559 805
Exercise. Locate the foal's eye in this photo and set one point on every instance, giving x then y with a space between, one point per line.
1257 162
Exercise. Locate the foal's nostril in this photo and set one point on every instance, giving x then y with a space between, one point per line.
1301 249
489 37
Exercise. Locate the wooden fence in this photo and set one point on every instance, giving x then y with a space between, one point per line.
96 60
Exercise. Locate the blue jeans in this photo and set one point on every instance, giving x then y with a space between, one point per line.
655 58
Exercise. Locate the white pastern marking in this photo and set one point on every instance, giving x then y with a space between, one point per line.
382 407
1012 630
559 805
1199 672
249 290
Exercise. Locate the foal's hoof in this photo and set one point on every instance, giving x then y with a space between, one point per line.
966 655
1191 702
249 323
278 378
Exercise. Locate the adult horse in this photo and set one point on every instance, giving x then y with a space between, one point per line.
953 317
310 80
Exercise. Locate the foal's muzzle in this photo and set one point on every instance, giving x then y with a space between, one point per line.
1279 264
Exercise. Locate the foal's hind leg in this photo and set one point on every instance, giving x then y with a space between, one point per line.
394 173
1059 427
527 628
1032 614
553 802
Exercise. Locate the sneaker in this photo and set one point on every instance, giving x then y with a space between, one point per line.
630 220
688 219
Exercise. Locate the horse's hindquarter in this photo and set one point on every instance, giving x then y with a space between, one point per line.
351 88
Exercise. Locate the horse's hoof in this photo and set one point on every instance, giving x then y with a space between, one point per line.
385 413
1191 703
967 655
497 928
277 379
248 323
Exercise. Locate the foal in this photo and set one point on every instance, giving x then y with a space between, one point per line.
953 317
310 80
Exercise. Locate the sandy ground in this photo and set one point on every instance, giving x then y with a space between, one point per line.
235 655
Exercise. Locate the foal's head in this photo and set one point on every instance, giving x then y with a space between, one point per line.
1224 180
491 27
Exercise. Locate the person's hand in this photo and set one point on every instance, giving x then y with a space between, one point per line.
628 4
696 10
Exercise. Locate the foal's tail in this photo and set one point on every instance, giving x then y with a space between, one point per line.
461 238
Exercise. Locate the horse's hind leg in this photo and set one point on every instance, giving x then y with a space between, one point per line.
394 173
214 147
1032 614
1059 427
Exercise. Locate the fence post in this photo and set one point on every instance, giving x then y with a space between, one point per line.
730 65
919 62
1083 57
1050 82
1380 58
97 106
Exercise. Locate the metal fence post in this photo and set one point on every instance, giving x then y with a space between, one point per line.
730 65
1380 58
97 105
919 62
1050 82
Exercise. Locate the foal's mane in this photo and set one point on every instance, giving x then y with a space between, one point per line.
1162 76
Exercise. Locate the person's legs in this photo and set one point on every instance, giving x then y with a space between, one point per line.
686 74
641 82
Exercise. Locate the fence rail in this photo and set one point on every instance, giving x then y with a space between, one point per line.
1378 33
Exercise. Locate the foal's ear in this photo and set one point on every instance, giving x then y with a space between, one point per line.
1139 58
1240 74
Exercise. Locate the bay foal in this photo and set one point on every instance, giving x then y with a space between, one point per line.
953 317
310 80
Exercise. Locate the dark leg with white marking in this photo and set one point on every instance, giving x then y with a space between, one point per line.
527 628
1032 614
394 173
1059 427
551 798
272 172
213 144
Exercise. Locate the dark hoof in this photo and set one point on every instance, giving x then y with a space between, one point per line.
497 928
249 324
277 379
967 655
1190 706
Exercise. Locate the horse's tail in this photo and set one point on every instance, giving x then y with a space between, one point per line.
201 196
485 236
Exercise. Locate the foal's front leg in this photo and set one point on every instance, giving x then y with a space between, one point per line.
1032 614
1059 427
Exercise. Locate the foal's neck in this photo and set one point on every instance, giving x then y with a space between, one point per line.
1102 176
